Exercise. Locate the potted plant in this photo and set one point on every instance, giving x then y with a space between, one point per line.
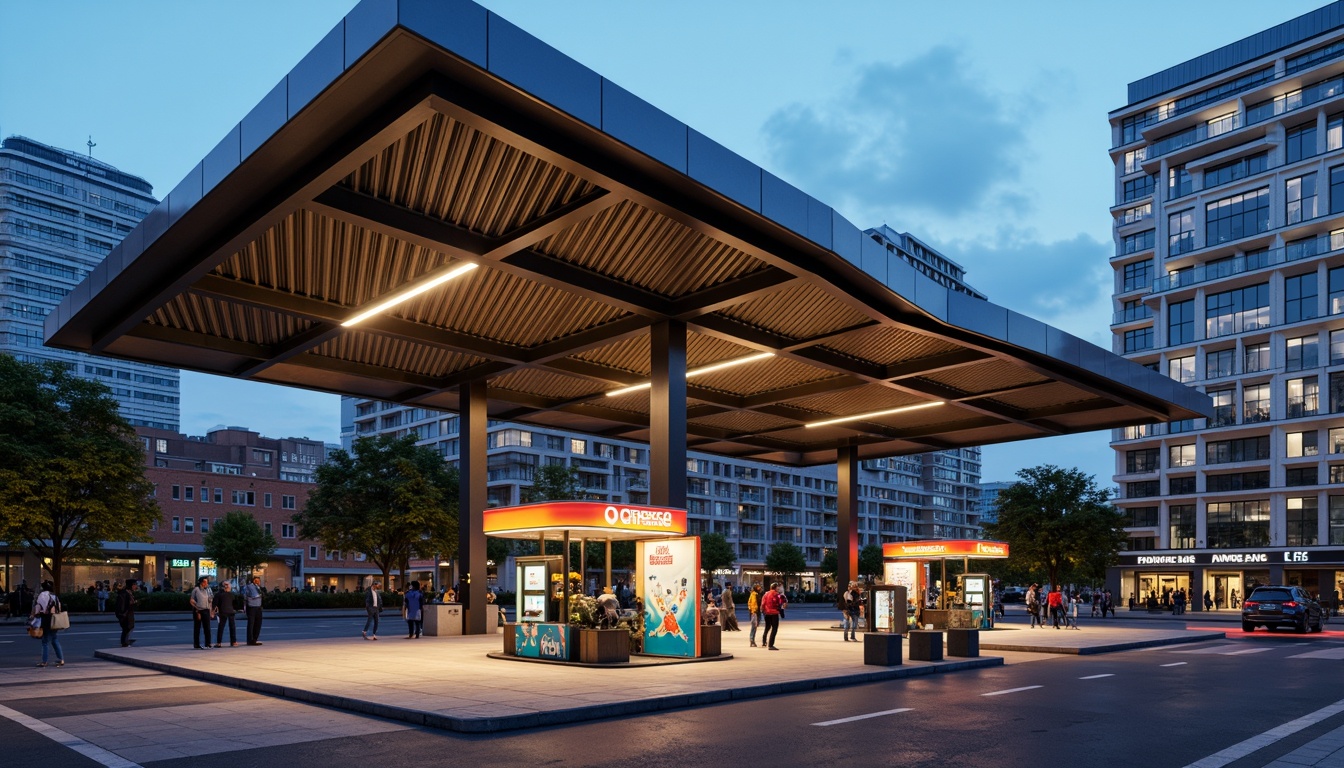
596 645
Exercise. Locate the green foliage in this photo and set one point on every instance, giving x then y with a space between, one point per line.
554 482
239 542
830 563
716 553
870 561
71 469
785 559
1058 522
392 500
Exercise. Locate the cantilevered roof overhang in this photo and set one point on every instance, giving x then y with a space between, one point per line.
419 137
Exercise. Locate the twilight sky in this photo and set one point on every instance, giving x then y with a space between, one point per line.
978 126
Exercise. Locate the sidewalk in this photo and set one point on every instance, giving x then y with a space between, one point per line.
453 685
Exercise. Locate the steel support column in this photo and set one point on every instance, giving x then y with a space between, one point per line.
667 415
472 423
847 522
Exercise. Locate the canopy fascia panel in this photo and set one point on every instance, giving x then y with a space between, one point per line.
420 136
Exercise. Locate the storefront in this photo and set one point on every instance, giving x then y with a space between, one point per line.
910 564
1146 580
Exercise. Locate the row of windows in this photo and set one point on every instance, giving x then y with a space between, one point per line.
240 498
188 525
1236 524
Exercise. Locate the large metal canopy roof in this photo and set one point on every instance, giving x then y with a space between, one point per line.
420 136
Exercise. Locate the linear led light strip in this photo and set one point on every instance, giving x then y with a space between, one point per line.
873 414
697 372
414 291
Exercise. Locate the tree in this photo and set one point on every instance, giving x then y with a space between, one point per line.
1057 521
239 542
830 563
72 473
716 553
870 562
554 482
392 500
785 559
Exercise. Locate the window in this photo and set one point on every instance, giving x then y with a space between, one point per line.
1138 339
1301 143
1336 393
177 525
177 489
1139 241
1141 517
1230 451
1141 543
1300 194
1181 486
1255 403
1337 189
1299 297
1299 476
1301 353
1303 397
1181 524
1181 232
1219 363
1237 481
1181 322
1135 189
205 495
1236 169
1235 217
1335 278
261 457
1142 460
1140 275
1181 369
245 498
578 446
312 553
286 531
1134 159
287 502
1142 489
1301 444
509 437
1181 455
1178 182
266 527
1256 358
219 495
188 525
205 525
1236 524
267 500
1224 408
1302 522
189 491
1241 309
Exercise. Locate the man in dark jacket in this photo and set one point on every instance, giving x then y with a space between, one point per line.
373 605
125 611
225 610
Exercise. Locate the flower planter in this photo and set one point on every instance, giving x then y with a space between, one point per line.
604 646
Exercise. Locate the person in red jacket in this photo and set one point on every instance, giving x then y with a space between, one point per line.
772 605
1056 602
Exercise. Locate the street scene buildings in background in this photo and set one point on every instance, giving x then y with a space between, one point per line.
1229 277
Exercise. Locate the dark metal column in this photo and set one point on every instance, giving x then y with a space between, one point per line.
472 422
847 521
667 415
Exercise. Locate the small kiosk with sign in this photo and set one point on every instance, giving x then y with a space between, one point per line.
886 609
907 563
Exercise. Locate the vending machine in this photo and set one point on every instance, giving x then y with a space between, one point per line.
977 590
534 601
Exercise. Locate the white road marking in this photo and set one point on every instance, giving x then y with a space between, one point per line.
1255 743
95 753
1011 690
1176 664
1214 648
1097 677
863 717
1325 653
1246 651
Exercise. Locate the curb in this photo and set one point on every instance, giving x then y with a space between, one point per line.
1112 648
559 716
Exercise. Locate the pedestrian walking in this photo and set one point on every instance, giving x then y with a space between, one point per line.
373 606
252 604
772 605
1055 602
202 608
102 596
415 624
225 612
728 610
1073 612
1034 605
44 607
1208 601
849 605
124 607
754 611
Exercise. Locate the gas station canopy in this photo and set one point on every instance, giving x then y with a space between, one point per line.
434 197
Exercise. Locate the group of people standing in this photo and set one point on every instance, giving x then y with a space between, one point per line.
1057 606
207 605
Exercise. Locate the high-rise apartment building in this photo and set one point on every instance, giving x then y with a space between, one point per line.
1229 276
60 214
753 504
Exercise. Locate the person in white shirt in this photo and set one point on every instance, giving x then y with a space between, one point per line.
373 605
44 606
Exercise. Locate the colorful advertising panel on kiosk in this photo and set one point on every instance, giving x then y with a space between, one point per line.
667 573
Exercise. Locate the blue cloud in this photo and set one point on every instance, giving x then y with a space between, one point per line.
922 134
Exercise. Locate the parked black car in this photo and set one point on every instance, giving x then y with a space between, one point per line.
1274 606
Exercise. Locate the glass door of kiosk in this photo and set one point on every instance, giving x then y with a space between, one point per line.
534 598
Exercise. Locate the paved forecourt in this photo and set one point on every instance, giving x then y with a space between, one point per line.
1088 639
450 683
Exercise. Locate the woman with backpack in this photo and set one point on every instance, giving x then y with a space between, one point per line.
46 604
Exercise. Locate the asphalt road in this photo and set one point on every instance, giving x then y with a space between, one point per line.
1169 706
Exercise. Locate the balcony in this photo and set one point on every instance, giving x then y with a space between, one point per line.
1324 245
1202 132
789 519
1131 314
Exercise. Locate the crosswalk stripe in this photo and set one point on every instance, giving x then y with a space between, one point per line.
864 717
95 753
1097 677
1012 690
1324 653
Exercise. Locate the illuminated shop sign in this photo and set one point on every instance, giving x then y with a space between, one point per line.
946 548
584 516
1253 557
178 562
